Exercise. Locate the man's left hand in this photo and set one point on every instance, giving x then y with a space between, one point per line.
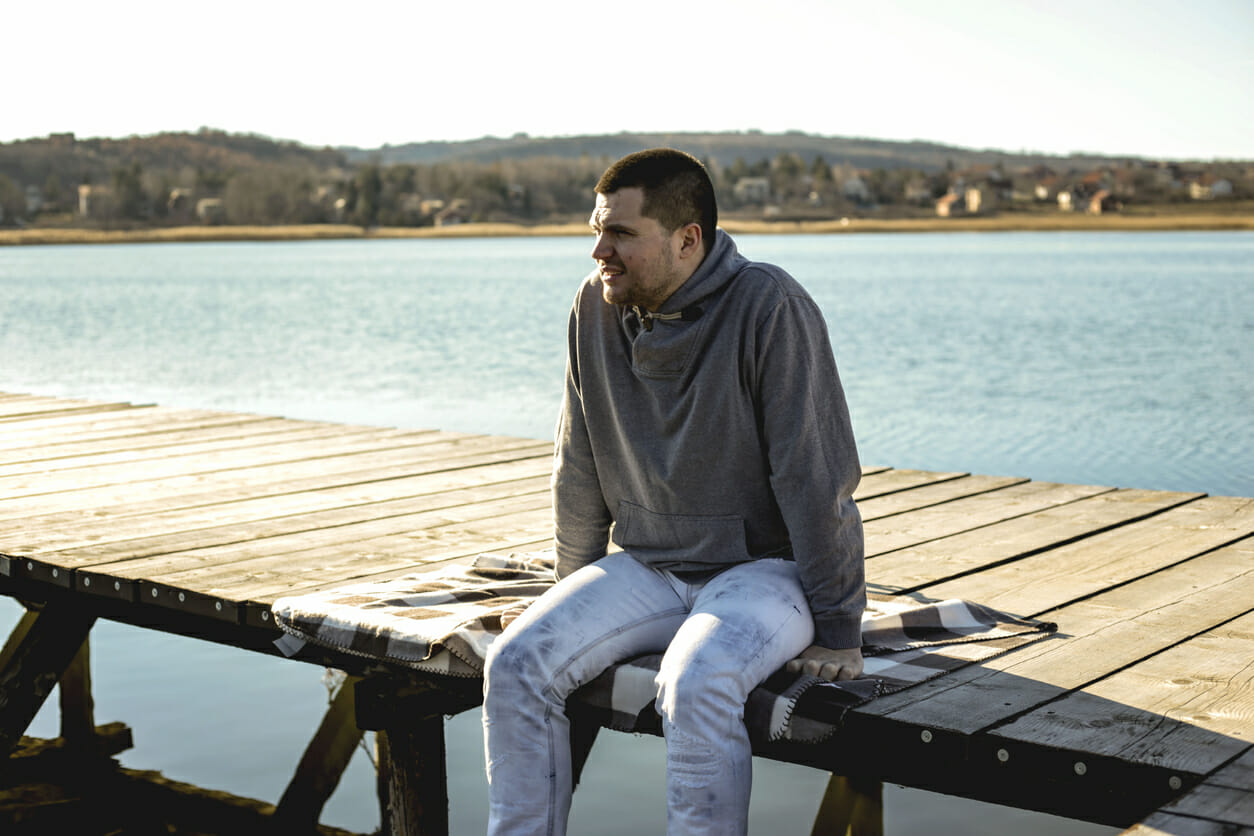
828 664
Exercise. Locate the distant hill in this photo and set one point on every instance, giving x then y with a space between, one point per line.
93 160
722 148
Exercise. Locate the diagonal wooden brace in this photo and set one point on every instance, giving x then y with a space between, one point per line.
39 650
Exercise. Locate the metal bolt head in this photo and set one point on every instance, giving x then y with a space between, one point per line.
1174 782
1080 768
154 592
925 736
86 581
1003 755
182 597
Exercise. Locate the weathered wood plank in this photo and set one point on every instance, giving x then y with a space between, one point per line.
117 426
925 524
441 534
136 533
221 545
1188 709
907 501
108 517
884 482
1097 637
1075 570
19 411
322 445
445 451
959 554
76 452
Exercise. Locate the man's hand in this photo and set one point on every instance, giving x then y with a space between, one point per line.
828 664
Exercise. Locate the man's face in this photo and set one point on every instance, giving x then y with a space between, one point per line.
637 258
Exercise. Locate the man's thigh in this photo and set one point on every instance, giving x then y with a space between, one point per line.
604 613
744 625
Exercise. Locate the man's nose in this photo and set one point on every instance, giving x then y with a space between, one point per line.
601 250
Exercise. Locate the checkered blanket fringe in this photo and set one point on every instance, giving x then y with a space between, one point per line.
443 621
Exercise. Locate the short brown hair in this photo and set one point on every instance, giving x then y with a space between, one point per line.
677 189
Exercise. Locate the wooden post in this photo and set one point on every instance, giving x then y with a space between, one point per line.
36 655
853 806
323 764
413 782
78 720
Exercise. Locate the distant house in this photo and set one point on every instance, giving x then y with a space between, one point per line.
752 189
1066 200
92 200
949 204
458 212
854 188
1103 201
1208 187
210 210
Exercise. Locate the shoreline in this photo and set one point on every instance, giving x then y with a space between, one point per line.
1165 222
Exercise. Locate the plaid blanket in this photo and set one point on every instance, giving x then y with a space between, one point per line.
442 622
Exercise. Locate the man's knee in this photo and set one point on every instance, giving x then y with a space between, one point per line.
698 698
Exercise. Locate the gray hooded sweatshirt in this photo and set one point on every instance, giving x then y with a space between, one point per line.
711 433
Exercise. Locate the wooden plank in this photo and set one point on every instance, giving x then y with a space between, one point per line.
960 554
967 513
100 465
1226 797
902 502
882 483
47 407
1186 709
1086 567
106 517
277 535
101 426
46 537
321 445
1097 636
412 540
80 452
368 465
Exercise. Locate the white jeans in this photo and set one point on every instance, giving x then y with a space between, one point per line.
721 638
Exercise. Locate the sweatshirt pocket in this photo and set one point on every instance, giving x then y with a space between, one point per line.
652 537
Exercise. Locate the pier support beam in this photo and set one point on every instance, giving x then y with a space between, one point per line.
323 764
38 652
853 806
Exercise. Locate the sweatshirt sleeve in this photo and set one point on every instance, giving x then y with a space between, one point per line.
580 516
814 465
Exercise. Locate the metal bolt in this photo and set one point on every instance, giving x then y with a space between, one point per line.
1174 782
154 592
925 736
265 615
1003 755
182 597
117 586
1080 768
54 573
86 581
30 566
217 605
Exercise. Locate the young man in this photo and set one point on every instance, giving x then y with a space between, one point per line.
704 424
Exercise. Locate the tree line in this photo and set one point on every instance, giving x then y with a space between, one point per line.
213 177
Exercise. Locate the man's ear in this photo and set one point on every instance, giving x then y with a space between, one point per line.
690 244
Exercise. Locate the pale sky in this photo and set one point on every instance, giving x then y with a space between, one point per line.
1150 78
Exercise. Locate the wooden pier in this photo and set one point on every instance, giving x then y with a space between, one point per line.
1139 712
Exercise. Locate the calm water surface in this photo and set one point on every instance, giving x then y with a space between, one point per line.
1105 358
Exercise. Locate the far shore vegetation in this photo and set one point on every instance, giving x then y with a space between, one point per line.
215 186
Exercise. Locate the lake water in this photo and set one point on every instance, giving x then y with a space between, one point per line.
1097 358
